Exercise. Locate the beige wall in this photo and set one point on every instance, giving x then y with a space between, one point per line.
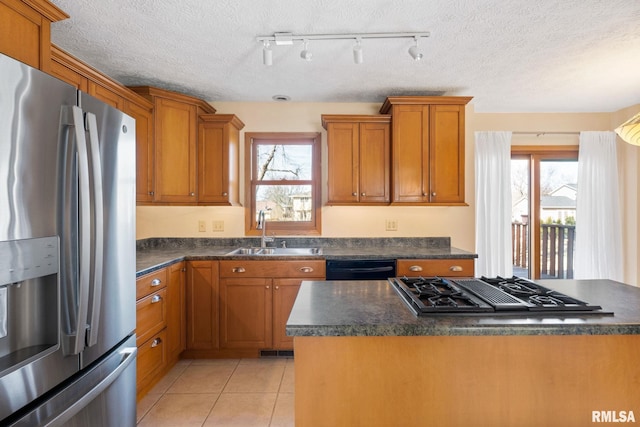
342 221
629 161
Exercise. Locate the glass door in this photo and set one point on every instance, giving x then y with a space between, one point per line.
543 219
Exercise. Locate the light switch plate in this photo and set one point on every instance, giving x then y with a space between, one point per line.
218 226
202 226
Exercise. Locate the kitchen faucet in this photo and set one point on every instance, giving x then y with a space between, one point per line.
262 225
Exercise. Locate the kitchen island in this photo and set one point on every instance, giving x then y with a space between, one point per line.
363 358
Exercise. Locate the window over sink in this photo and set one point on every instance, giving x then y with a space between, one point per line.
282 180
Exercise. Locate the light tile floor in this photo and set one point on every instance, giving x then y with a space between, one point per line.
222 392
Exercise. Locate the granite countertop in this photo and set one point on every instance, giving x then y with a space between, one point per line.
373 308
154 254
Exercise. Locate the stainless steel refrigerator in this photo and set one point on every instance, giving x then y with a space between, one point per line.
67 255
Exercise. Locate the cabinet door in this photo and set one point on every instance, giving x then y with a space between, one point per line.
285 292
213 163
202 305
144 150
25 33
410 153
176 311
106 96
343 160
245 316
68 75
446 152
175 151
374 152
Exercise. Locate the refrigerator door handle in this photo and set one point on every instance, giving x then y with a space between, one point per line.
128 356
78 332
97 241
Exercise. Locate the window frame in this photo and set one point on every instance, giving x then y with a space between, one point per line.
535 154
290 228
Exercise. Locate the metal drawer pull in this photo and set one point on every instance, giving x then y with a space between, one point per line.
156 282
155 299
306 269
415 268
455 268
238 270
156 342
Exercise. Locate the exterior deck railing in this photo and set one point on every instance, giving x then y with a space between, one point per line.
556 249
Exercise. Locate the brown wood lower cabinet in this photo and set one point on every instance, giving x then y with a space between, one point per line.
176 312
160 331
285 292
449 267
151 362
256 298
246 312
202 308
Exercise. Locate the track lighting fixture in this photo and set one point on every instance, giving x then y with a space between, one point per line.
357 52
281 39
415 52
267 53
306 53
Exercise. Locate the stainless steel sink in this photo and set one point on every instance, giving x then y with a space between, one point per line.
276 251
245 251
291 251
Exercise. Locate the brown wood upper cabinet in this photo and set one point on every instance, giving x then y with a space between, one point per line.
359 159
218 159
25 30
87 79
175 119
427 148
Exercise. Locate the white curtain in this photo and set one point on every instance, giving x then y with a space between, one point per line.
493 204
598 224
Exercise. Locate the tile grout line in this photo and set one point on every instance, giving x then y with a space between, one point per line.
164 392
273 410
220 394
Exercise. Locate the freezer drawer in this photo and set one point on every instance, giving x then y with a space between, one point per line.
103 395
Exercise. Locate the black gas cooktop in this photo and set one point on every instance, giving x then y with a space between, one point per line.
498 295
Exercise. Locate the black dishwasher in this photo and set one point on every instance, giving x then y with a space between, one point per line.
361 269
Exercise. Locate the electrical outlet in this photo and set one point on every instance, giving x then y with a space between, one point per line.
391 225
218 226
202 226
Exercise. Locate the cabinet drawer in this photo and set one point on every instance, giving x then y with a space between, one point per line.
435 267
297 268
151 315
152 356
151 282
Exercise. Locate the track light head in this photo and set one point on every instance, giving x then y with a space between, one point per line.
306 53
357 52
415 52
267 54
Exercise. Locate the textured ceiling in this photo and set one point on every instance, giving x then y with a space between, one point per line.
510 55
